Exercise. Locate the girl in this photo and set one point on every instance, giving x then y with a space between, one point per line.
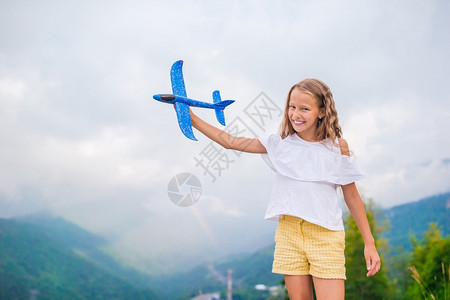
311 160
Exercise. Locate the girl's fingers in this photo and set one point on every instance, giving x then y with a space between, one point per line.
373 262
368 263
373 266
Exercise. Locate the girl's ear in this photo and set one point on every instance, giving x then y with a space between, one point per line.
322 113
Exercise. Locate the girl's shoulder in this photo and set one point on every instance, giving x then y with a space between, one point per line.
343 146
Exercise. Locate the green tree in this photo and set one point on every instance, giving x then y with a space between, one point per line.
430 266
358 286
398 272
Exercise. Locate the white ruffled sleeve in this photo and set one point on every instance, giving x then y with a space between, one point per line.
309 161
349 171
270 142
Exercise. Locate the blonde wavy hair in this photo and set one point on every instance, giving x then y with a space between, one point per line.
328 126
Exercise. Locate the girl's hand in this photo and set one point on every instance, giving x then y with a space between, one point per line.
373 262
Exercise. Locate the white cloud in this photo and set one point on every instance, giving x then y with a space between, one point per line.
81 135
394 140
216 206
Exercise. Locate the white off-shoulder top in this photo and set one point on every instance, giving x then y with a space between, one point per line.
307 177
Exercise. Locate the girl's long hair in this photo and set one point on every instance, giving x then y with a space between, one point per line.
327 127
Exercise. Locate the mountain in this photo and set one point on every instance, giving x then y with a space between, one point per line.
90 246
248 270
412 219
59 260
33 263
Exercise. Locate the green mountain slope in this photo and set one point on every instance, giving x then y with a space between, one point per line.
62 261
412 219
31 261
88 245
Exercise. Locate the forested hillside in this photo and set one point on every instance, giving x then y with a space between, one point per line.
55 259
90 246
31 262
412 219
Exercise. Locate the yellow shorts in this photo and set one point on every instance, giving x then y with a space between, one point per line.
303 248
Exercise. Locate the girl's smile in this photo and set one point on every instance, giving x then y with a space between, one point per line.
298 123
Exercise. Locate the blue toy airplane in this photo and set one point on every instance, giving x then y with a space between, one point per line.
182 103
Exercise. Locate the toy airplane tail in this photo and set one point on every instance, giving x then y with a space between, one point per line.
220 106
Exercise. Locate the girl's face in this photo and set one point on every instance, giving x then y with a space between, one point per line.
304 113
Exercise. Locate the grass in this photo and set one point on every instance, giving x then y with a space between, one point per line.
427 293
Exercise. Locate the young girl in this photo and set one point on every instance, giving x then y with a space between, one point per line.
311 161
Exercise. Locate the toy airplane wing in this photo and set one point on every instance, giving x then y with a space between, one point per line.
182 109
184 120
176 76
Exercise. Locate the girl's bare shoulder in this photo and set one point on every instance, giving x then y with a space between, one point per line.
343 145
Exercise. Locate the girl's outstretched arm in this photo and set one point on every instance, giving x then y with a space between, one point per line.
225 139
356 207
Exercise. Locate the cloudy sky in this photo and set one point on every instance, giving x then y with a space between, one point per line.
82 138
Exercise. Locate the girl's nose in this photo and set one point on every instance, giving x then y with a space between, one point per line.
297 113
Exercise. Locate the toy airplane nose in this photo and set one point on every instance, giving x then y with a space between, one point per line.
164 97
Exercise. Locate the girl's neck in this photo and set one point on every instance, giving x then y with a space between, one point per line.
307 137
